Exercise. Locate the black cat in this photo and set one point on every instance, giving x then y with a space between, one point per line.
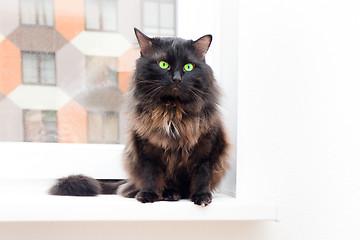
177 146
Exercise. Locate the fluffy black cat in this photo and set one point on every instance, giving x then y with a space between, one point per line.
177 146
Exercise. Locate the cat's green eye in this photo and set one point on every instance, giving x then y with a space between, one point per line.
163 65
188 67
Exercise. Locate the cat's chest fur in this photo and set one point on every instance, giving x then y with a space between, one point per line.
170 127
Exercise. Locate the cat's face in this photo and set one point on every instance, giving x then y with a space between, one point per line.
172 69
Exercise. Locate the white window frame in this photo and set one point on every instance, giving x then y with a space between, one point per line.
32 160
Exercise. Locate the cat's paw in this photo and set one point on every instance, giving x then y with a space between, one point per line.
147 196
202 199
171 195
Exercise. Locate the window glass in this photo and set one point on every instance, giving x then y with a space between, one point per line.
40 126
94 128
38 68
166 15
101 15
28 11
45 12
110 125
103 127
30 68
101 72
47 69
92 11
65 67
37 12
33 125
159 17
109 16
151 14
49 122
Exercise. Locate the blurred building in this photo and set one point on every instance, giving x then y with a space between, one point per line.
65 66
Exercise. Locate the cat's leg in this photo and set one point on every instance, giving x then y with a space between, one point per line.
171 194
149 172
153 185
210 157
129 190
201 183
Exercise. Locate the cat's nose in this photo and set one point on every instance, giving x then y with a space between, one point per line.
176 77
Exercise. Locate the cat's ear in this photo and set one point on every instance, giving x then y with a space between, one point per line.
143 40
202 44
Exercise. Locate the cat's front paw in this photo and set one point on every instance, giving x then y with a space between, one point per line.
147 196
202 199
171 195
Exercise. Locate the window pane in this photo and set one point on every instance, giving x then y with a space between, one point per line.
92 12
33 126
94 71
40 126
95 133
101 72
110 72
109 15
111 128
47 69
167 15
111 78
167 32
49 121
30 68
46 12
68 70
151 14
151 32
28 11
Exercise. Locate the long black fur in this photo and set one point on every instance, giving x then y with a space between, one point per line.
177 145
80 185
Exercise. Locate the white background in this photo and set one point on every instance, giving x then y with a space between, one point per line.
299 102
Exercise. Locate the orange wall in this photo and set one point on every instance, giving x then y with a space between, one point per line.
10 67
72 124
69 17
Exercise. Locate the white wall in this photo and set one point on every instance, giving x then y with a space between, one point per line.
299 81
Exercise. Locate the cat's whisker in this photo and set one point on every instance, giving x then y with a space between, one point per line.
150 94
198 91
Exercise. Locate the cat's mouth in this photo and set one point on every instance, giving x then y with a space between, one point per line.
175 88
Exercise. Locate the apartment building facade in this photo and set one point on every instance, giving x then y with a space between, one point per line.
65 66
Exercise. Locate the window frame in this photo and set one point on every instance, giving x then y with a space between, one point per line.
101 26
88 151
37 2
25 138
38 59
158 28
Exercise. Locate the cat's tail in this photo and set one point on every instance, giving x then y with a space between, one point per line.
80 185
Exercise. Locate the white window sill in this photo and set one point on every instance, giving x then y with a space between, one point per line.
32 203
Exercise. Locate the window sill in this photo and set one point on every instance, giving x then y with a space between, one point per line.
34 204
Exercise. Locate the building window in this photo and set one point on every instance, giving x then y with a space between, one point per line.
38 68
101 72
159 17
101 15
37 12
103 127
40 126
